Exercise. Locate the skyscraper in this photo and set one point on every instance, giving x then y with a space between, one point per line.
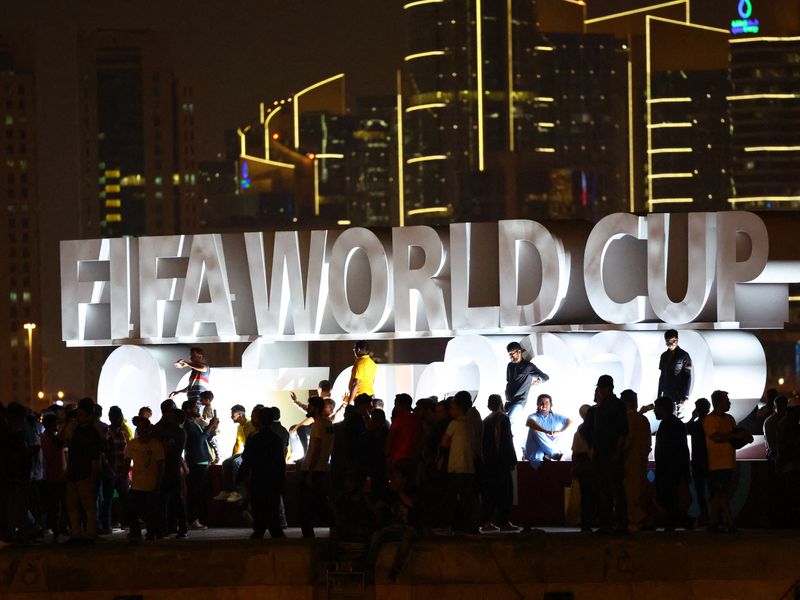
764 109
20 297
510 109
138 167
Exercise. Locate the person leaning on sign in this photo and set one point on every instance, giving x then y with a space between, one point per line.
675 365
362 377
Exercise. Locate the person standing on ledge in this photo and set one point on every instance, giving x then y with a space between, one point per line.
362 376
198 378
521 373
676 372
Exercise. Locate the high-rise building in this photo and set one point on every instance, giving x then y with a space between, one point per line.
510 109
20 297
764 106
372 163
137 122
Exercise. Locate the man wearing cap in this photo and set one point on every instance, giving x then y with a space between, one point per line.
521 373
606 431
676 371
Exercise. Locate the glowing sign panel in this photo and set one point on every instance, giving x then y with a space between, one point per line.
744 24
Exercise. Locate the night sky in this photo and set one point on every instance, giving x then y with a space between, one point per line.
239 53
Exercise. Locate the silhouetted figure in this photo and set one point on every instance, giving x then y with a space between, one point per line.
672 460
264 462
499 461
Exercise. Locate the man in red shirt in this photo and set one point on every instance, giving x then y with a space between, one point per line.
404 444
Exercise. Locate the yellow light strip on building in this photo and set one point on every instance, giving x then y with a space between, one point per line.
631 152
510 73
418 159
113 173
329 155
668 100
264 161
669 150
670 125
671 175
672 201
649 112
112 188
316 188
764 39
343 222
401 200
772 148
794 298
242 143
764 199
426 211
545 124
113 217
113 203
266 130
739 97
479 76
543 99
635 11
688 23
544 48
545 150
420 3
296 97
426 106
423 55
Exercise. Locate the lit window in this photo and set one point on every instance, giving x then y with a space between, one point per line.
26 297
14 342
113 217
113 203
9 120
13 296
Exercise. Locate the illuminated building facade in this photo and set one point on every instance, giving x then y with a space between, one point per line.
20 297
764 107
372 163
138 168
510 109
713 104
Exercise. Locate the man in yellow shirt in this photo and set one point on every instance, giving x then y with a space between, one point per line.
230 466
362 376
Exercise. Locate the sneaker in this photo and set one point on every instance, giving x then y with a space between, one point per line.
508 526
222 496
196 524
487 527
234 497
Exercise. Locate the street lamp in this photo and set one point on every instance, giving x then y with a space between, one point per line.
29 327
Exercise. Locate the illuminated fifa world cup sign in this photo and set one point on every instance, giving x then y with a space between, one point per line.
697 271
744 24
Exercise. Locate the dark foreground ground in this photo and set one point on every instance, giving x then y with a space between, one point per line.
549 564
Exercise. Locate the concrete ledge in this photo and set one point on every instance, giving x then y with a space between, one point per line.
754 565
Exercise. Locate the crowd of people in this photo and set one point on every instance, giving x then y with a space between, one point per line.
434 466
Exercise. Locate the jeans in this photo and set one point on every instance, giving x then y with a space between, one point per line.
196 492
